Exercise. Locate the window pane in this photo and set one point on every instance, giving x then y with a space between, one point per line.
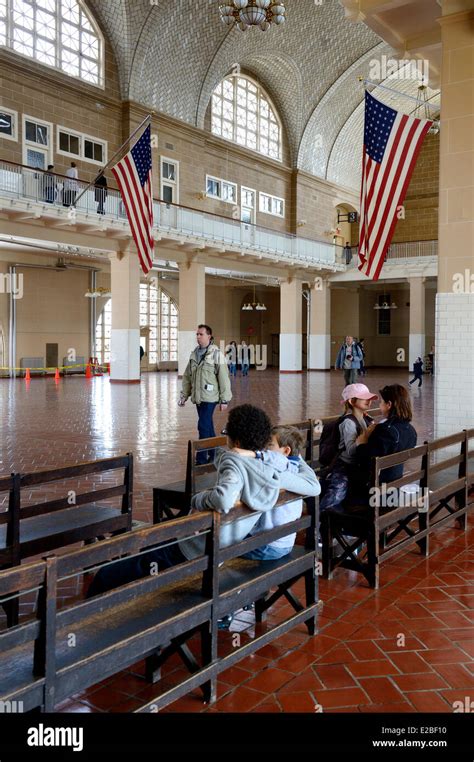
168 194
169 171
98 151
6 124
30 131
45 52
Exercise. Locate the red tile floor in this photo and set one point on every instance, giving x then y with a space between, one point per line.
407 647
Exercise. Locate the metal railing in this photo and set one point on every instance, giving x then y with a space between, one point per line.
37 185
413 249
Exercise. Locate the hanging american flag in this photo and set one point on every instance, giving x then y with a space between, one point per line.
392 142
133 175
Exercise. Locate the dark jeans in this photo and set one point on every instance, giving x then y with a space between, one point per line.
245 369
420 379
205 429
117 574
350 376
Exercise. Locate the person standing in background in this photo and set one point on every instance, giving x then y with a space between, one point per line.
431 358
70 185
100 192
245 358
362 370
206 380
232 358
347 254
49 185
348 359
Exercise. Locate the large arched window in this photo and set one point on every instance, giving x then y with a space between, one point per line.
58 33
243 113
159 314
103 330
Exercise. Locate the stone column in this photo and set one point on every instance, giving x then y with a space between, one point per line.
454 343
125 335
320 326
192 309
291 338
416 346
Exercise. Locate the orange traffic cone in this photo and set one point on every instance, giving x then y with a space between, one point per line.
27 375
56 375
88 371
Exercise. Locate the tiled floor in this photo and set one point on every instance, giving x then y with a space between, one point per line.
407 647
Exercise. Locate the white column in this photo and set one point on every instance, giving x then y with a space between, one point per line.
291 360
125 335
454 343
192 309
320 326
416 345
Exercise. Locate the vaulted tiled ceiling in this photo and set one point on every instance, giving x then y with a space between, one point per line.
171 54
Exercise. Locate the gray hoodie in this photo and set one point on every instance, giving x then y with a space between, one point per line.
256 483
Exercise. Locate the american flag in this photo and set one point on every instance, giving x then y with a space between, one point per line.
133 175
392 142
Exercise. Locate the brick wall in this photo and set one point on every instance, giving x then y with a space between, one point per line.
46 94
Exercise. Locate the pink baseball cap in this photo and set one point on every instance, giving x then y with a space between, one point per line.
358 390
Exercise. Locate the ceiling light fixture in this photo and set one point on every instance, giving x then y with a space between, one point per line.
246 13
101 291
254 305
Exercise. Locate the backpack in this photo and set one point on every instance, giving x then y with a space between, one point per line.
329 450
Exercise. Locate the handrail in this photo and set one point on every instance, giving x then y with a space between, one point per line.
172 204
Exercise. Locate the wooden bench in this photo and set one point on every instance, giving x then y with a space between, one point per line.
33 526
174 499
389 523
153 617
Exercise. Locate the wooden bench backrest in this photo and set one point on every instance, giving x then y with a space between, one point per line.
56 682
11 517
470 457
193 470
455 483
48 476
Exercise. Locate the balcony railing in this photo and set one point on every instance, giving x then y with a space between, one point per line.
20 182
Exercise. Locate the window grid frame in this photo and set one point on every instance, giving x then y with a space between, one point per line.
262 194
158 352
82 138
174 184
14 115
100 352
261 95
220 197
56 40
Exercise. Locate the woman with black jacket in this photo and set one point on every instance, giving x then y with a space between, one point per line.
393 434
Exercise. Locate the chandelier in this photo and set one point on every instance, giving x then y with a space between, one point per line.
384 305
254 305
101 291
422 110
245 13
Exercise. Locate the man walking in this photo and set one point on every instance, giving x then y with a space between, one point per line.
206 380
349 359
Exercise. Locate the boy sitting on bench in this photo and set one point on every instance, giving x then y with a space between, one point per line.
245 472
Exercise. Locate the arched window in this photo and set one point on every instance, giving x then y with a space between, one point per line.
103 330
58 33
243 113
159 313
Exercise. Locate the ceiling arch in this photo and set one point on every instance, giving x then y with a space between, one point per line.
171 60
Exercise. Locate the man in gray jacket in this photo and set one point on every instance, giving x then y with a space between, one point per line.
206 380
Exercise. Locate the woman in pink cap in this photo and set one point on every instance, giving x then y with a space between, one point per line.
355 421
